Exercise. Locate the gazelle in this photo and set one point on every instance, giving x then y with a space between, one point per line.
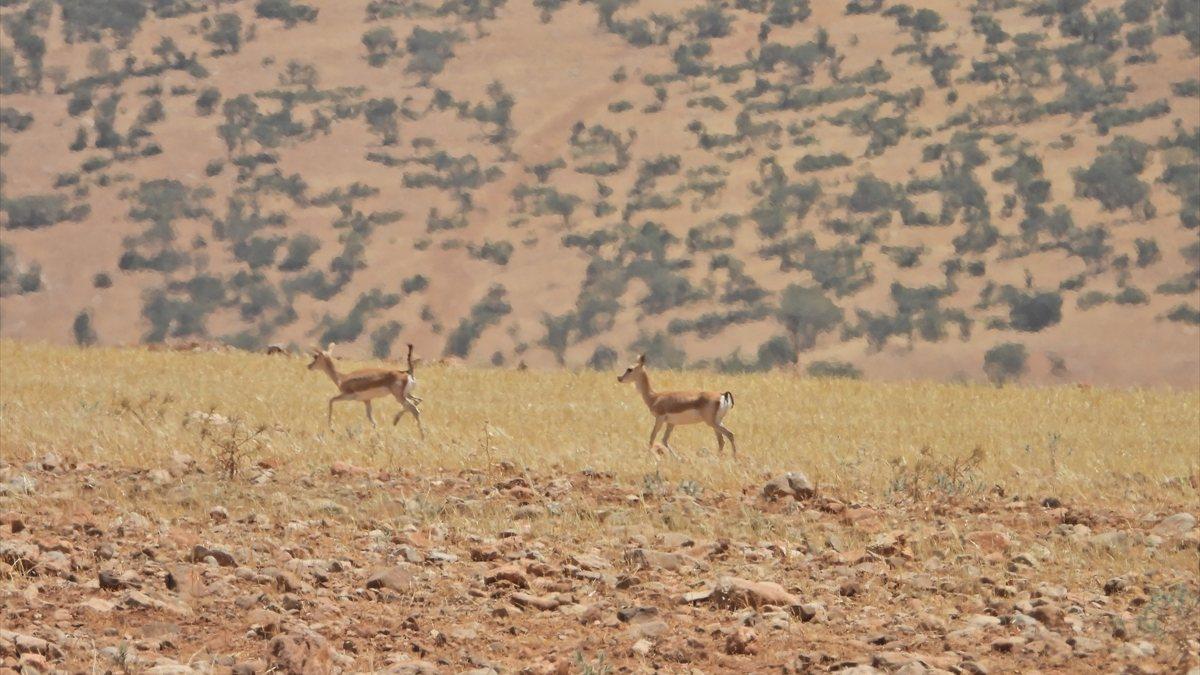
681 407
371 383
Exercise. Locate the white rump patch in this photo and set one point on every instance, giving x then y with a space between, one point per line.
723 407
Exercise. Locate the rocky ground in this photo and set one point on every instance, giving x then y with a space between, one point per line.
178 569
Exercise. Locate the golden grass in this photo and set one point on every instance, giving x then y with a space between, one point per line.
105 405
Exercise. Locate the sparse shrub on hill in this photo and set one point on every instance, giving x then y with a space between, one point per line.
1147 252
558 334
485 313
289 12
497 252
16 279
1184 313
90 21
660 349
225 33
380 114
82 330
381 44
383 337
821 162
429 51
1006 362
833 369
36 211
603 358
1112 178
871 194
14 120
349 328
1032 312
414 284
1131 295
806 313
1183 16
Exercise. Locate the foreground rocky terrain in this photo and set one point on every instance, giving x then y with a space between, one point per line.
180 569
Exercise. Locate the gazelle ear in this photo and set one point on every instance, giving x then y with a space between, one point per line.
641 359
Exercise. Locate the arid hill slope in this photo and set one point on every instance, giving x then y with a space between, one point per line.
862 187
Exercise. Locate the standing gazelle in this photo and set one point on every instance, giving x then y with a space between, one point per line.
681 407
371 383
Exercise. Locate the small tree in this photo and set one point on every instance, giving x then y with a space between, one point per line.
226 32
558 334
381 44
383 337
806 313
1005 362
85 335
603 358
381 117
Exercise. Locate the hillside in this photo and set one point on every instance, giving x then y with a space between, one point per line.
862 187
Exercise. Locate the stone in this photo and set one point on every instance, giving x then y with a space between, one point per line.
224 558
735 593
1175 526
395 578
741 641
511 574
990 541
590 562
792 484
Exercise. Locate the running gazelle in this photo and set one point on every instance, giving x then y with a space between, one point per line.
681 407
371 383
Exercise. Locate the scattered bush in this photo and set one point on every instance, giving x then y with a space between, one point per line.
487 312
1032 312
287 11
833 369
82 329
1006 362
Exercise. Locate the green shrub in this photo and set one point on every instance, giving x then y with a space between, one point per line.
226 35
381 44
1031 312
498 252
1112 178
383 337
429 51
1131 295
485 313
821 162
287 11
833 369
660 349
300 249
102 280
603 358
1005 362
1185 313
37 211
82 329
414 284
871 194
1092 299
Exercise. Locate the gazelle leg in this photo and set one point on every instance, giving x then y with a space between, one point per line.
720 441
416 413
667 438
396 419
728 434
339 397
370 417
658 422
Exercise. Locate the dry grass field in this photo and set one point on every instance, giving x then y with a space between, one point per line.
952 527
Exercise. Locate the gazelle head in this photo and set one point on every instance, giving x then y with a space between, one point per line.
629 373
321 357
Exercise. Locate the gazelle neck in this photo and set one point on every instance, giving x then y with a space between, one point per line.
330 370
642 382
